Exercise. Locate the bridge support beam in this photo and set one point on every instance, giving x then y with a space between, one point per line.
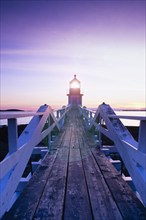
49 135
142 137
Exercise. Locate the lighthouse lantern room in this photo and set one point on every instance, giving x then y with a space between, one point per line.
75 96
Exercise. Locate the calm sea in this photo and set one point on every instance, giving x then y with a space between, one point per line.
126 122
20 121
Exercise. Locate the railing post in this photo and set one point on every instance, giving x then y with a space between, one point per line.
12 135
100 139
142 137
58 112
98 136
49 135
90 115
61 121
99 132
90 118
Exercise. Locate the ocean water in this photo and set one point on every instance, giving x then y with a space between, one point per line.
129 122
20 121
126 122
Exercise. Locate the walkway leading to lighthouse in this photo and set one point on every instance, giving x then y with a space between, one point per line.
76 181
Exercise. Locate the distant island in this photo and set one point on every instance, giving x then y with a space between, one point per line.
130 109
12 110
137 110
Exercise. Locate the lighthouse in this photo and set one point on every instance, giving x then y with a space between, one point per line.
75 96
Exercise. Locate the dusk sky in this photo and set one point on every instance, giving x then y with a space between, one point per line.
44 43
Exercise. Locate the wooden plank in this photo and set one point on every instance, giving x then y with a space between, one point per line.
100 196
25 206
77 204
52 200
129 205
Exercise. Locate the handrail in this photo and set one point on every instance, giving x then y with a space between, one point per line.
140 118
133 153
20 149
10 115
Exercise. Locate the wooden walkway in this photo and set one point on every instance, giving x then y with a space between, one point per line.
76 182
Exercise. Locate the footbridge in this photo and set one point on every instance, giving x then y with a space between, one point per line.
73 179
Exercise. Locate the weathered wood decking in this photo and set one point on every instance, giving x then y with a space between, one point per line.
76 181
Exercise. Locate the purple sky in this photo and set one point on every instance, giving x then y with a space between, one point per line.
44 43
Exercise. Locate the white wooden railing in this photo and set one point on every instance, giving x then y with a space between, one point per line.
133 153
20 149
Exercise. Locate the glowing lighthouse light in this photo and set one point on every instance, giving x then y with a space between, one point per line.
74 96
75 85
